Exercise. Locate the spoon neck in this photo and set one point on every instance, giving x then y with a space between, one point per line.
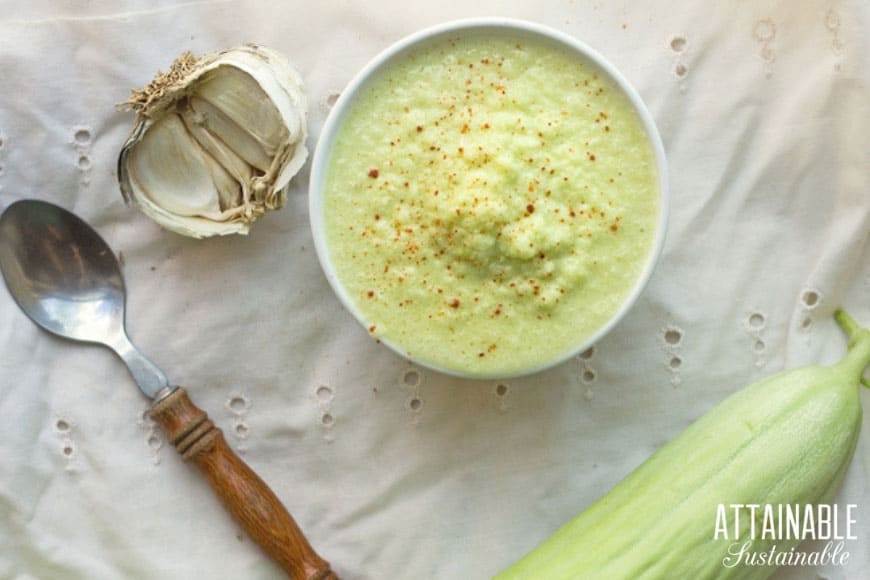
121 344
148 376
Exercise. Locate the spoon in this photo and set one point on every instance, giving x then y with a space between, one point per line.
67 280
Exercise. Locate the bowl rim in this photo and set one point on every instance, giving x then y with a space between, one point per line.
339 110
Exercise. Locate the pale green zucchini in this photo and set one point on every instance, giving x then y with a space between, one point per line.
787 439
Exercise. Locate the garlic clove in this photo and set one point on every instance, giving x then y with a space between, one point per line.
283 84
239 140
237 167
237 95
184 184
217 148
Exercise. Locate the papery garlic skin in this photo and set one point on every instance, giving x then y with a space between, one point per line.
217 140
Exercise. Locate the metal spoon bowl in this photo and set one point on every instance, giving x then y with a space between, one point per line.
67 280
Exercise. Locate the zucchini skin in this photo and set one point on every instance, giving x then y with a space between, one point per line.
786 439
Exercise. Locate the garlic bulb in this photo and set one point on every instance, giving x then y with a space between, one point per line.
216 141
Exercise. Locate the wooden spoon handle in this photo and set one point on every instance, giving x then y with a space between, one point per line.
241 491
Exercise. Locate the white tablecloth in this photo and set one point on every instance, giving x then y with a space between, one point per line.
395 471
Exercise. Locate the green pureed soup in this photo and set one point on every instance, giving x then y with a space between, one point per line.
490 203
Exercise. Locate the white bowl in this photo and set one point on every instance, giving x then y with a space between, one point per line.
520 29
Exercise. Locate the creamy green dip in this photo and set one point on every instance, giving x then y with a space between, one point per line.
490 203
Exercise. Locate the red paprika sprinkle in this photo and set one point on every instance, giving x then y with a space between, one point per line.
373 173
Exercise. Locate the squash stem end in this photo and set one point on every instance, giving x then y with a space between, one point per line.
858 356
